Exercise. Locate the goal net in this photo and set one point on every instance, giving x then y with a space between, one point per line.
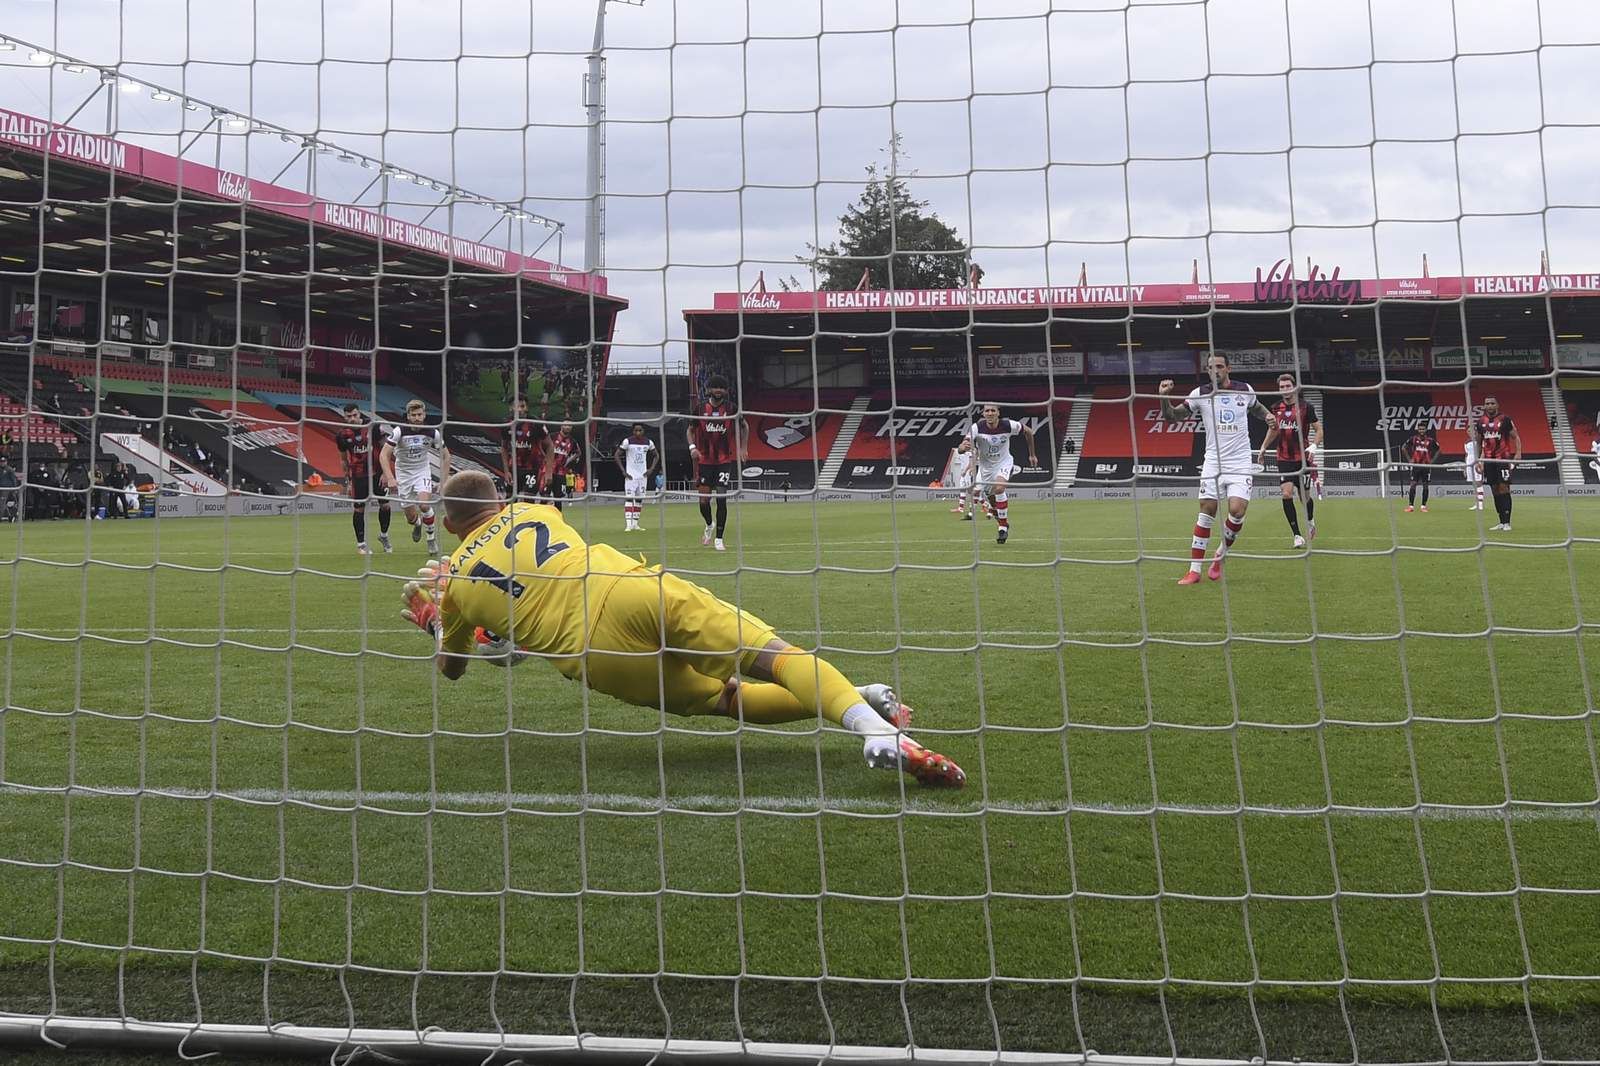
731 283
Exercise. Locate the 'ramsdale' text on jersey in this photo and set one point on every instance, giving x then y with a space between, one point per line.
415 448
527 573
713 433
637 456
1496 433
1294 430
992 444
1225 414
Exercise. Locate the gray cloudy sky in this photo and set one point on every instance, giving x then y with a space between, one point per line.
1132 136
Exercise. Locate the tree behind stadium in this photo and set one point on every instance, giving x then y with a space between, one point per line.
927 253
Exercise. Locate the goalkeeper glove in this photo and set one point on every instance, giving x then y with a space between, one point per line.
420 599
420 609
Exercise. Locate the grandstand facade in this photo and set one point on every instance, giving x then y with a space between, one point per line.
207 327
866 392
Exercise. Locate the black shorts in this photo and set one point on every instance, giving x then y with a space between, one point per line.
1291 472
361 487
718 477
528 486
1496 473
558 486
1422 475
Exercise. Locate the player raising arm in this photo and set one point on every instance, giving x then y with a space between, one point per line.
1298 433
646 637
1224 408
638 458
356 447
990 437
407 459
1499 445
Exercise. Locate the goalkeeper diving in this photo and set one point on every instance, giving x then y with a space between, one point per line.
631 631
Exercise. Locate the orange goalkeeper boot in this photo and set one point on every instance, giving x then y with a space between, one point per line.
927 766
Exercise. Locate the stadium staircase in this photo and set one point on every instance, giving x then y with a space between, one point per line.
1077 425
156 462
841 443
1570 464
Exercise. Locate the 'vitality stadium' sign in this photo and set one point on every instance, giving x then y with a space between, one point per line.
43 136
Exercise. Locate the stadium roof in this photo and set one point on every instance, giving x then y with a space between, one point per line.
104 203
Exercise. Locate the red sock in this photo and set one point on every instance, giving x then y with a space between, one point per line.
1230 533
1000 509
427 519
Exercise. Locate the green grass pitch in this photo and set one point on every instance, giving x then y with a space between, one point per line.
297 813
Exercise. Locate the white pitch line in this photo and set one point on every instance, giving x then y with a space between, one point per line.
868 547
712 803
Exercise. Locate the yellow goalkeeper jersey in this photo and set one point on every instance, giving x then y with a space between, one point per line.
526 573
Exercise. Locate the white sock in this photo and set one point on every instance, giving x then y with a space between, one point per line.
862 719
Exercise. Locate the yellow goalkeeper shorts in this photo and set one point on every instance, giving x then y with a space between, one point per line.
660 641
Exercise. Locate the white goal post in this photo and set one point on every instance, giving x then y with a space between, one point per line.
1332 803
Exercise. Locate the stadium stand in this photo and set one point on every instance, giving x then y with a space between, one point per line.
1073 359
109 371
1582 399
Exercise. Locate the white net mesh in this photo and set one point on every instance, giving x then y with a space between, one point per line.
1340 805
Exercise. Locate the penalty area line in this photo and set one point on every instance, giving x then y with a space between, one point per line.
796 630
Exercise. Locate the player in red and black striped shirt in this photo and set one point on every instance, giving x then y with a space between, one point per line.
716 440
565 458
1499 445
358 442
1298 433
525 452
1420 451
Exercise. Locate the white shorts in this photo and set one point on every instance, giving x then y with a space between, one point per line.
413 486
988 475
1217 486
634 486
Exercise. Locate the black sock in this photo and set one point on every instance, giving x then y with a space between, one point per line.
1504 500
358 518
1425 495
1411 495
705 509
1311 508
722 515
383 519
1289 513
